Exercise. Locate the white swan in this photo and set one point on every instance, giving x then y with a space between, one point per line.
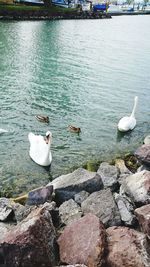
128 123
3 131
40 148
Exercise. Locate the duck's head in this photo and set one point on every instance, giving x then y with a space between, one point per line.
48 137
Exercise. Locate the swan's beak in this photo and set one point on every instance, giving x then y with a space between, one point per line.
48 138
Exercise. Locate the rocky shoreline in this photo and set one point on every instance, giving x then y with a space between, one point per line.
47 15
93 219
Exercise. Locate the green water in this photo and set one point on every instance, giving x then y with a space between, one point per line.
80 72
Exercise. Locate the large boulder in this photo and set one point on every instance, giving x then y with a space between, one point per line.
102 204
127 248
83 242
32 242
143 216
137 187
109 175
143 154
66 186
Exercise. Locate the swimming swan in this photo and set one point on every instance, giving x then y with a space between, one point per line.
3 131
40 148
128 123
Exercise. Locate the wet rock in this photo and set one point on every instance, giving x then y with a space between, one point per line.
126 209
143 216
69 211
83 242
147 140
109 175
32 242
66 186
6 210
137 187
81 196
127 247
143 154
120 164
102 204
40 195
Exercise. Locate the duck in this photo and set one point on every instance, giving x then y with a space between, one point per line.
40 148
128 123
42 118
74 129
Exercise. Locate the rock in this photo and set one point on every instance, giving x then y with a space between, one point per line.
32 241
21 212
83 242
137 187
143 168
81 196
143 216
6 210
127 248
69 211
120 164
109 175
40 195
126 209
4 229
147 140
102 204
66 186
143 154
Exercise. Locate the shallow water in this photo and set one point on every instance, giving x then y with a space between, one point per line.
79 72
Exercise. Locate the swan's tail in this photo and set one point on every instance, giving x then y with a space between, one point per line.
135 105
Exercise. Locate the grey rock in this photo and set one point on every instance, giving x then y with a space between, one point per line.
126 209
102 204
137 187
109 175
40 195
6 209
4 229
69 211
66 186
81 196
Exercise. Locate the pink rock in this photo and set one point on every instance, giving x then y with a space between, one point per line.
32 241
143 216
83 242
127 248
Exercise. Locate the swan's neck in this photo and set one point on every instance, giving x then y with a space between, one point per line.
134 107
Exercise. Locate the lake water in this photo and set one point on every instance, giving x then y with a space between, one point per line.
80 72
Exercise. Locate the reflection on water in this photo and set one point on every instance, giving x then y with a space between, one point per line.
83 73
